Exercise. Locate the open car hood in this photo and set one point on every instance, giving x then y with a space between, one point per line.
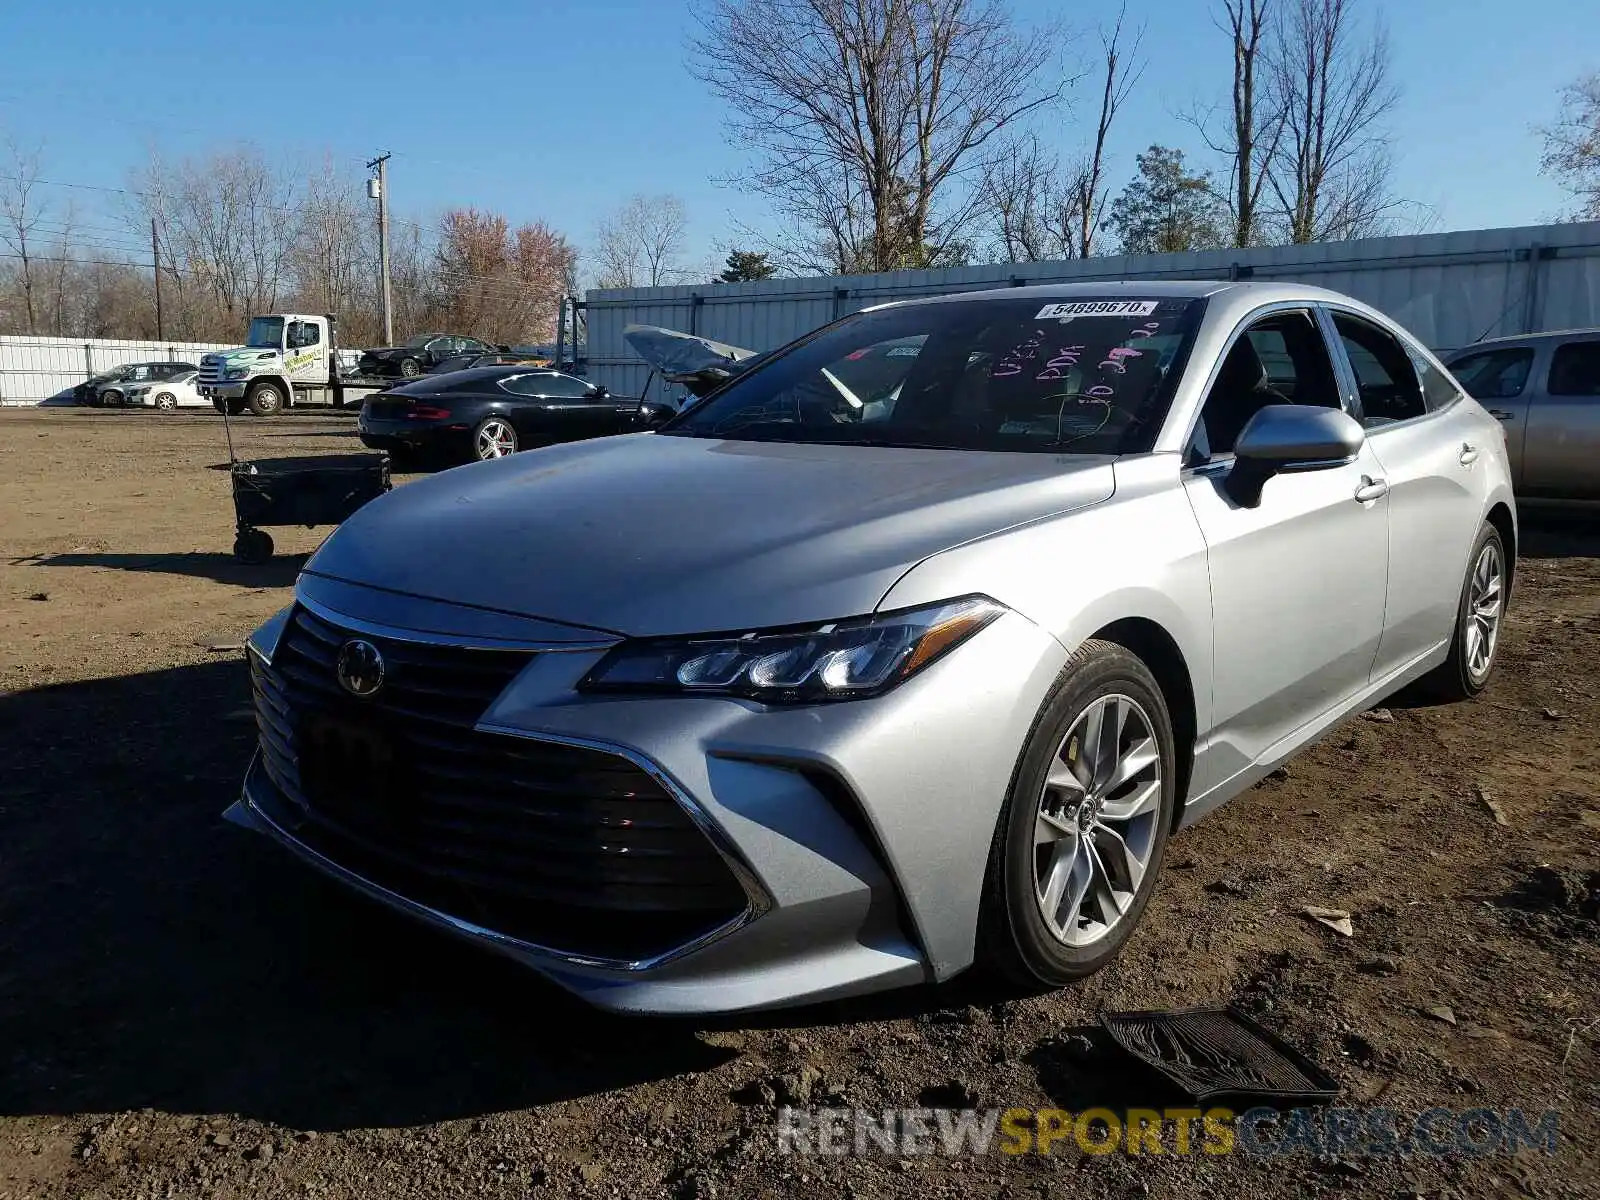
698 363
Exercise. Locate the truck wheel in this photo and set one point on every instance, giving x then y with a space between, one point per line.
410 368
264 399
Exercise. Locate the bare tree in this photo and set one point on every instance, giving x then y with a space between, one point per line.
641 242
1572 146
1121 71
1331 170
23 212
329 261
231 221
862 113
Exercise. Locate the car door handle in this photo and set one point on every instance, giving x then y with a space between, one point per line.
1371 489
1500 414
1468 455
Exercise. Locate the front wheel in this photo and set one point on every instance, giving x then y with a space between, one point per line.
165 401
493 438
1080 843
265 400
410 368
1479 611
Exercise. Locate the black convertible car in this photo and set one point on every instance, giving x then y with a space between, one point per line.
489 412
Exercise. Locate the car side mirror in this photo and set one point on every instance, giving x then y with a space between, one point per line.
600 389
1284 439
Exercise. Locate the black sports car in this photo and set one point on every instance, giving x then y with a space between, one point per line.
489 412
420 354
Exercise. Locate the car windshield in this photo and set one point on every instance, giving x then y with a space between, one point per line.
418 342
1089 376
266 333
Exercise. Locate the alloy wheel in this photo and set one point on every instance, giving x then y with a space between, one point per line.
495 440
1096 827
1485 603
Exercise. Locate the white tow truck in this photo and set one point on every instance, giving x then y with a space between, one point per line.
287 359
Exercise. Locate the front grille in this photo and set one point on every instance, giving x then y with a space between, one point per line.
211 369
567 847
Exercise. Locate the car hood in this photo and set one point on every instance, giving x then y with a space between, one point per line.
651 534
240 355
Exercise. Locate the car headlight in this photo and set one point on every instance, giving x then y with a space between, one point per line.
844 660
236 372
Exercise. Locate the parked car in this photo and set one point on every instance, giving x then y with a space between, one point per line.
110 388
180 391
419 354
1545 391
848 677
490 412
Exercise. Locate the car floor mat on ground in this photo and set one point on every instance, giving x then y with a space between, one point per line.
1216 1053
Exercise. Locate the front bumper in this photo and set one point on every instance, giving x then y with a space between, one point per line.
225 391
861 831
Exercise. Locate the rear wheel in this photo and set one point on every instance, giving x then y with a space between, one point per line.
264 399
493 438
111 399
1080 843
1478 618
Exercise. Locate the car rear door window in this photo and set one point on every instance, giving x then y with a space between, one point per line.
1494 374
1386 378
1575 370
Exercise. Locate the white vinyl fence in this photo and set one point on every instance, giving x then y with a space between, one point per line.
1447 288
35 369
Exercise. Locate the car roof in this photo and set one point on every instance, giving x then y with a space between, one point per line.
1526 339
499 371
1154 289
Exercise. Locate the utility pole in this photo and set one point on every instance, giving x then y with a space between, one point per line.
380 187
155 261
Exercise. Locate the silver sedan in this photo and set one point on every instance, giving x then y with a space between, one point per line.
908 649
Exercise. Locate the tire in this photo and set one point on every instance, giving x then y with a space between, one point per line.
1047 843
410 368
493 438
252 546
1480 613
111 399
165 401
264 399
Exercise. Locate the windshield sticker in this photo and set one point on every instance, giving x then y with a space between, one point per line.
1096 308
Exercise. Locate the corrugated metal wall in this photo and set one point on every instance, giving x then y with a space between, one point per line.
1447 288
33 369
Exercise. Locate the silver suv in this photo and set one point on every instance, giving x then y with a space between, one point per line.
1545 389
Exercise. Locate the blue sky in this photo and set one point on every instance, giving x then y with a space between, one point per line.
544 109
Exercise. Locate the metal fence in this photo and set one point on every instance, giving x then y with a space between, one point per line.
1447 288
35 369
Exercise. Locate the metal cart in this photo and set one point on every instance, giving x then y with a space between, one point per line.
318 490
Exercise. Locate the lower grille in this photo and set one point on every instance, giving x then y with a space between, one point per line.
567 847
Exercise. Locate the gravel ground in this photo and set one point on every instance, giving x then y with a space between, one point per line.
186 1012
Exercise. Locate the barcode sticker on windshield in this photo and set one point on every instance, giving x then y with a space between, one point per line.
1096 308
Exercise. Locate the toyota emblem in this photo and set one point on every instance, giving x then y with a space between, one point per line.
360 668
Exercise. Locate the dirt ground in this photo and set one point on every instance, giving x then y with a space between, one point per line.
187 1012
